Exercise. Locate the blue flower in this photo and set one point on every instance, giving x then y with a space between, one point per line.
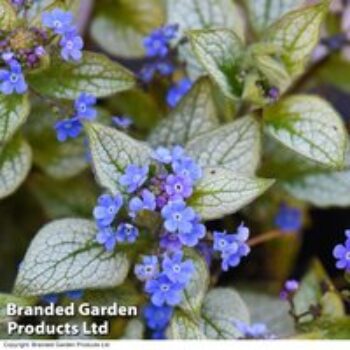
159 334
134 177
178 186
191 239
170 242
84 107
146 202
75 294
50 298
58 20
71 44
232 246
176 269
122 122
162 155
68 128
186 166
254 331
107 237
157 43
148 269
163 67
206 251
290 287
127 233
12 80
178 217
164 291
342 253
288 218
157 317
107 208
177 91
177 153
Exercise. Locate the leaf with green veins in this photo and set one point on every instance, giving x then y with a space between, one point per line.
120 26
94 74
15 163
263 13
7 15
203 14
297 33
193 116
235 146
221 192
222 307
14 110
310 126
65 256
6 299
112 151
194 293
218 51
67 198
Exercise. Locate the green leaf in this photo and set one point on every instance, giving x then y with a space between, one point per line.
221 308
14 110
111 152
195 291
193 116
94 74
310 126
134 330
15 163
297 33
263 13
327 329
64 198
7 15
6 299
120 26
221 192
204 14
235 146
64 256
218 51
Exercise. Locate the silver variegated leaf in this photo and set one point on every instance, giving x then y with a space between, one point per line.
193 116
235 146
221 192
65 256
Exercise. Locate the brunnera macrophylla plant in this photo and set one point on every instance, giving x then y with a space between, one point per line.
237 125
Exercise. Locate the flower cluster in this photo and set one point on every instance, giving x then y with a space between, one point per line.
61 23
288 219
157 319
342 253
232 247
83 110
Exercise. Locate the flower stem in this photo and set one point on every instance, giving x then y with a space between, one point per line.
265 237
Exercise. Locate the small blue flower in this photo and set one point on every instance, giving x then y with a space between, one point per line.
148 269
127 233
254 331
342 253
107 237
177 91
186 166
12 80
178 217
191 239
58 20
162 155
68 128
122 122
107 208
162 67
7 57
288 218
222 241
71 46
84 107
176 269
178 186
290 287
146 202
134 177
164 291
75 294
157 317
159 334
170 242
50 298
